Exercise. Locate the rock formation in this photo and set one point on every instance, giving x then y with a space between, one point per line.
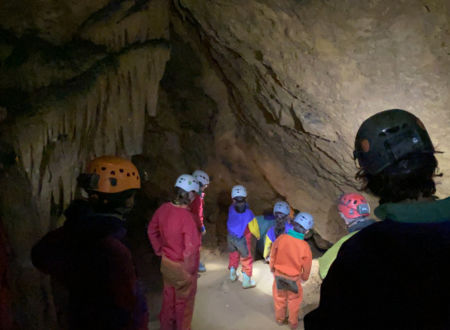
264 93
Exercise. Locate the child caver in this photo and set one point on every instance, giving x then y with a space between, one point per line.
290 261
241 225
175 236
198 204
281 212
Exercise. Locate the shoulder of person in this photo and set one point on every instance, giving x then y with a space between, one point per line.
250 213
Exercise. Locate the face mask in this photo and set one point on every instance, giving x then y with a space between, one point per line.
240 206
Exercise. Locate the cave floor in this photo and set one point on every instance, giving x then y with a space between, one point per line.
222 304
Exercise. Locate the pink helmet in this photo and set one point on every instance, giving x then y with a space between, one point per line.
353 206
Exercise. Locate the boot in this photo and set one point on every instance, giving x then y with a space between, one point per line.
201 267
247 282
233 276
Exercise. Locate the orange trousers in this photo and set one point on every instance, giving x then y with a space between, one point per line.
284 299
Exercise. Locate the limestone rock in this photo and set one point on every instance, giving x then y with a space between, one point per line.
302 76
56 21
124 23
311 290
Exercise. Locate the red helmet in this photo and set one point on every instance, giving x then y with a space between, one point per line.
353 206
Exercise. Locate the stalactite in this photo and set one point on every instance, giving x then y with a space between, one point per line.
103 120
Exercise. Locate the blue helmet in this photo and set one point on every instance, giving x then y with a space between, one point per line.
305 220
281 207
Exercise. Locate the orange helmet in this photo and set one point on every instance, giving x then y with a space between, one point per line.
115 174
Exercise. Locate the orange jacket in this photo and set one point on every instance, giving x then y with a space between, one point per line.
290 255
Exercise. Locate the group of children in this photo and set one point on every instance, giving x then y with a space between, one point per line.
175 232
89 256
290 256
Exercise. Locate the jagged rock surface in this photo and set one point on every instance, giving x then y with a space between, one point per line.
77 81
303 75
261 93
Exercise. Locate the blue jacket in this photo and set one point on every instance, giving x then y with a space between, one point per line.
237 222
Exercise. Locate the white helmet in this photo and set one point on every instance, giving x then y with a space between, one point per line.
281 207
238 191
305 220
201 177
187 183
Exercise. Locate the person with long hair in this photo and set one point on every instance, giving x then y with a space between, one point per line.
281 212
174 234
290 262
393 274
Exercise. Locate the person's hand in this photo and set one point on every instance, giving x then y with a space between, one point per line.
203 230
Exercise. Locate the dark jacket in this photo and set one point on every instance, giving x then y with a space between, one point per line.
394 274
89 257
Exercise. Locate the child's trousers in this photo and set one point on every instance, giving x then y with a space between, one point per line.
286 299
240 250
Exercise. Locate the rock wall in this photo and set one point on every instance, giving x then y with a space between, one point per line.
303 75
70 94
264 93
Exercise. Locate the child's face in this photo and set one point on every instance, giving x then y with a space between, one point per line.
239 204
239 200
280 215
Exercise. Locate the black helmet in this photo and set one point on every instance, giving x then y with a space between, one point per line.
389 136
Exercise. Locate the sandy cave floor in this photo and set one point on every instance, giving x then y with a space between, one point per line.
222 304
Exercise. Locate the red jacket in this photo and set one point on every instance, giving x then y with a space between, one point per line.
173 233
197 209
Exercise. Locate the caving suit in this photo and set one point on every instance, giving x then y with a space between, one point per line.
290 261
174 235
241 227
271 237
197 207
